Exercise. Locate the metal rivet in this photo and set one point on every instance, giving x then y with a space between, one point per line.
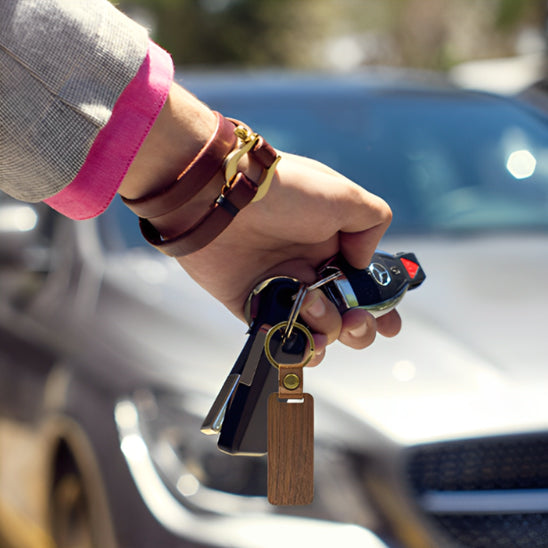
291 381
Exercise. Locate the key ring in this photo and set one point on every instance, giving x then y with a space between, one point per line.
292 323
281 325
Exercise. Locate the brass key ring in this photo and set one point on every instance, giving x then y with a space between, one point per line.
283 325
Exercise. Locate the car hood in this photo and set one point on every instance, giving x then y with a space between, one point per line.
470 359
471 356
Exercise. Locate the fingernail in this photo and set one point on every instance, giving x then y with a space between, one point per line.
317 308
320 342
359 332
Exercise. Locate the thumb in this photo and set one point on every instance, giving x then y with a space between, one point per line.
363 229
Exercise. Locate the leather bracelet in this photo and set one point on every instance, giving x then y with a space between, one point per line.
238 191
218 217
195 177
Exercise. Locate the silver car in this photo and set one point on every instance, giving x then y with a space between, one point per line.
110 356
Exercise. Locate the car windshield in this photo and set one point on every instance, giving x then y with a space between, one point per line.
448 160
452 161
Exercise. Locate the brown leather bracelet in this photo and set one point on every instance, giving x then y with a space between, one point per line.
237 192
194 177
218 217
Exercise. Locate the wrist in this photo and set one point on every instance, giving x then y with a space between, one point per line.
199 202
182 128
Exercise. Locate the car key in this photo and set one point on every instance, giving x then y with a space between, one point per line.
378 288
239 413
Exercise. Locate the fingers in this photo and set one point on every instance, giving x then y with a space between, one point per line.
358 247
324 320
357 328
359 244
320 342
389 325
321 315
359 218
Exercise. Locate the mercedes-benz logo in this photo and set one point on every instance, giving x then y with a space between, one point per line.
380 273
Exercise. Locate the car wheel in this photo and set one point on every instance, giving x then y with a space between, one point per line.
70 517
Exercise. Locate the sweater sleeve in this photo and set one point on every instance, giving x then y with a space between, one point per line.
116 145
64 67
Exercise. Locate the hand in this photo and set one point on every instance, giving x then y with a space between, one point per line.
309 214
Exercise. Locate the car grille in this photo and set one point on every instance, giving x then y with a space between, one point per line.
487 492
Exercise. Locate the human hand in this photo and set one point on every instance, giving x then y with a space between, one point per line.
309 214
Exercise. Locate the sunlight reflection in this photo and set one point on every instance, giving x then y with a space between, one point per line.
18 218
521 164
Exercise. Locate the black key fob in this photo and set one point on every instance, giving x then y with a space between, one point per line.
238 414
378 288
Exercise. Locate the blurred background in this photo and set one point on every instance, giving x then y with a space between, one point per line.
343 35
100 442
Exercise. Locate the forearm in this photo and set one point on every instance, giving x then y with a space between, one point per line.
180 131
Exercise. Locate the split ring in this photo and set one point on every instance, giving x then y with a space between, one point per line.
283 325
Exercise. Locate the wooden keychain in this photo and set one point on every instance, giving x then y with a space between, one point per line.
291 437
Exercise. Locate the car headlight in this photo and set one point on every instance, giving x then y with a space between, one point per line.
183 477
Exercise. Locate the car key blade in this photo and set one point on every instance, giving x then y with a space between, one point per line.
244 426
243 371
215 417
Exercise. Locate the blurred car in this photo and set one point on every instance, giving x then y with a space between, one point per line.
110 356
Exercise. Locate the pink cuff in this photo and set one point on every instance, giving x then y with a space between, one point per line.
116 145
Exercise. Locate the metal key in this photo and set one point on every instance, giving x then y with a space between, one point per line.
239 413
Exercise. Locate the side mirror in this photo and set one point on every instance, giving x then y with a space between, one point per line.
21 240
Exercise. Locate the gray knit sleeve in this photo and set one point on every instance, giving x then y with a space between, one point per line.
63 65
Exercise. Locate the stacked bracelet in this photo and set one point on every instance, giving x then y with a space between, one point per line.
229 143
